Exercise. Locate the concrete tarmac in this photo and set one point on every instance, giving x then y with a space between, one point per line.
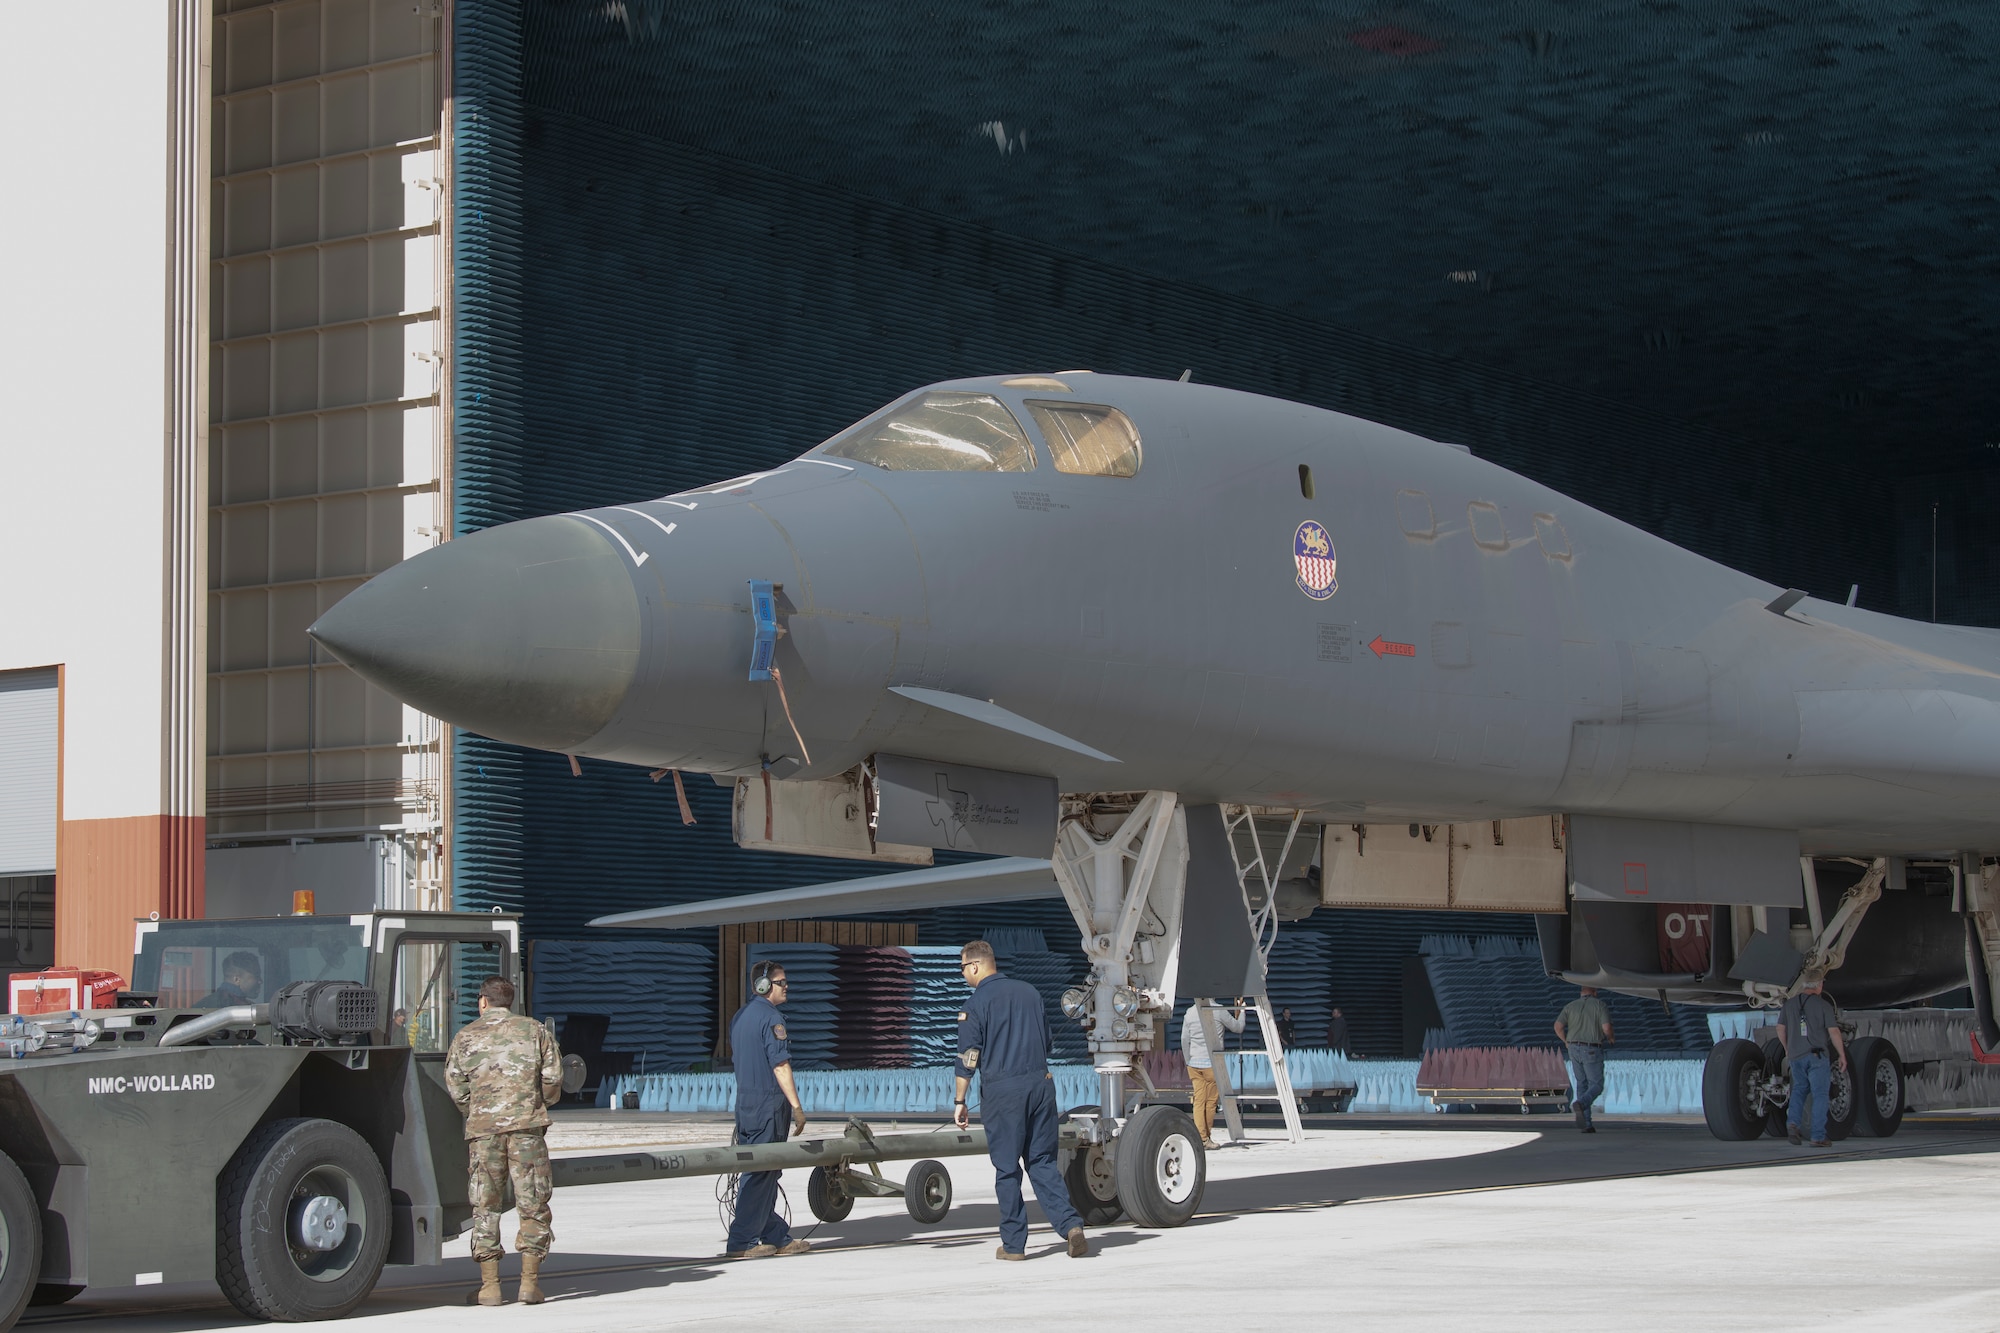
1491 1223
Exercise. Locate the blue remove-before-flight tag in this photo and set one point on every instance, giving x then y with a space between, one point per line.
764 615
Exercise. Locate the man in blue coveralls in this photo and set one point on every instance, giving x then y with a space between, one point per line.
764 1089
1003 1036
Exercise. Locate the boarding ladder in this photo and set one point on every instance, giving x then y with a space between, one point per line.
1248 851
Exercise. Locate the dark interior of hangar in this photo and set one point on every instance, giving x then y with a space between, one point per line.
1726 271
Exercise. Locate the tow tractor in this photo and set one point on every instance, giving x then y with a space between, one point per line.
290 1147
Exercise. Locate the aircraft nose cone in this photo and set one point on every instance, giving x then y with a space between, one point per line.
528 632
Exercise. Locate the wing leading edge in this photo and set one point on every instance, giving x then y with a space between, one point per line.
1004 879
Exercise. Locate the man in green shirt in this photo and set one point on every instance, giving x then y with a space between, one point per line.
1584 1026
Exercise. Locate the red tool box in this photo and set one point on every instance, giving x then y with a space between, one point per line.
57 989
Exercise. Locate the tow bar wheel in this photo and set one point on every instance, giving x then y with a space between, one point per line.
927 1192
20 1242
826 1197
302 1226
1160 1167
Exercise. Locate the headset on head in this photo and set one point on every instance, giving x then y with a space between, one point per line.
760 976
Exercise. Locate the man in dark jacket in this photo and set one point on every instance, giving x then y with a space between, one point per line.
767 1105
1003 1036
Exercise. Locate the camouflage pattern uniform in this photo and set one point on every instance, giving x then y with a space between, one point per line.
504 1071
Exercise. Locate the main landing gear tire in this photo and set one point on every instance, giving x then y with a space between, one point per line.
1160 1168
302 1225
1777 1111
828 1201
1878 1084
1093 1186
1841 1103
1729 1082
20 1242
927 1192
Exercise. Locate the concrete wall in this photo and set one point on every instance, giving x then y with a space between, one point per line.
344 877
99 156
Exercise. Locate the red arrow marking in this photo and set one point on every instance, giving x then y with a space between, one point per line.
1382 646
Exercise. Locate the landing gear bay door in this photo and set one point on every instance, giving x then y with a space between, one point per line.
959 808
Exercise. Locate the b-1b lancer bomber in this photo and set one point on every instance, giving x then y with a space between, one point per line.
1199 660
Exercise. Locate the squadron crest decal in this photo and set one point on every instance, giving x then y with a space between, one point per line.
1312 550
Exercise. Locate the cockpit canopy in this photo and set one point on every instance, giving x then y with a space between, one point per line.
946 430
942 432
1090 441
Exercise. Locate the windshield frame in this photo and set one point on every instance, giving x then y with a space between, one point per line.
274 940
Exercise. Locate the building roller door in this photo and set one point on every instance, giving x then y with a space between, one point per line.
28 772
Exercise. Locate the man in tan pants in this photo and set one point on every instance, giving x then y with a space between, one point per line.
1200 1066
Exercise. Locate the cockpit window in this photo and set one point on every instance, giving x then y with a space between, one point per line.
1093 441
942 432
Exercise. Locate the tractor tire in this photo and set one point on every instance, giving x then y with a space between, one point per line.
1160 1167
1878 1081
927 1192
20 1242
278 1253
828 1201
1728 1101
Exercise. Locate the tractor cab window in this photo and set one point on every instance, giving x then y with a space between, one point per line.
435 990
941 432
1089 441
216 964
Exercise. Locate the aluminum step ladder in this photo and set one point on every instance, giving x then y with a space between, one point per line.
1281 1074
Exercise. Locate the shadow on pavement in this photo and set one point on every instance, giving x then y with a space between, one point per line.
1555 1155
567 1277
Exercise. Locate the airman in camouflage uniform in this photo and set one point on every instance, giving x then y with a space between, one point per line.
505 1071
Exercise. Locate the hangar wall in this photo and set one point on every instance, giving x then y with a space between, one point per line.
328 434
637 315
101 524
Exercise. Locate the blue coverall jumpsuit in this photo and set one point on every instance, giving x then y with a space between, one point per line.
757 1039
1003 1036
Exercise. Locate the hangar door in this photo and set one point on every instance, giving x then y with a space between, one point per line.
27 772
27 818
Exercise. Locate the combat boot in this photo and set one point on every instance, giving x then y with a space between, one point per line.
489 1285
531 1278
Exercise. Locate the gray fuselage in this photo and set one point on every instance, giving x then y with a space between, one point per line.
1493 649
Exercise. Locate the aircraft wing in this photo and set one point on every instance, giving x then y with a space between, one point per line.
1001 880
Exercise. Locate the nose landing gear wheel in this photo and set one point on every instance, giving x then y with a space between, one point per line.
1161 1170
1093 1188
